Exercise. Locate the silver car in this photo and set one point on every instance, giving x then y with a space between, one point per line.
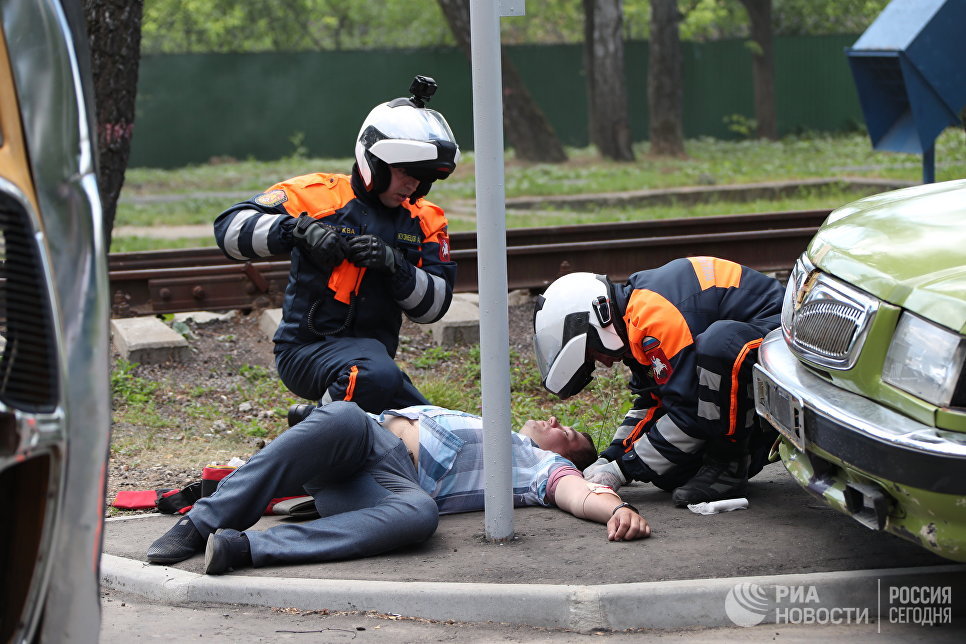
54 314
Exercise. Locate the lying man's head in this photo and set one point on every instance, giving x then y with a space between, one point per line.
577 447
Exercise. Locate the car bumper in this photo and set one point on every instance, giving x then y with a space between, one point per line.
884 469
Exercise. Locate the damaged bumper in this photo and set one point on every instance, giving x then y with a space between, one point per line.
884 469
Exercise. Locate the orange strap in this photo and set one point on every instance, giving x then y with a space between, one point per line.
639 427
733 415
351 388
345 280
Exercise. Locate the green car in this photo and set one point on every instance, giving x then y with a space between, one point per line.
864 380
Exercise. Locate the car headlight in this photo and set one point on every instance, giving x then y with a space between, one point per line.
924 360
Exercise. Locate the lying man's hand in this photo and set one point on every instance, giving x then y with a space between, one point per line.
626 525
606 473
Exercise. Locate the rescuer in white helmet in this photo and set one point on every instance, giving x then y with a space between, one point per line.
365 249
689 332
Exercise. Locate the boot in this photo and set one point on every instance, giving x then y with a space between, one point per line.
724 475
226 550
298 413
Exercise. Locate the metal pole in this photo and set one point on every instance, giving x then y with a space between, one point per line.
491 249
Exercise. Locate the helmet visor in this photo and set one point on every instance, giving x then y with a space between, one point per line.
570 371
561 352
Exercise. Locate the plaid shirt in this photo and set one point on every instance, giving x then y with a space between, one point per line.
451 460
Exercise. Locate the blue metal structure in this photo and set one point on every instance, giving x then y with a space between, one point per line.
910 72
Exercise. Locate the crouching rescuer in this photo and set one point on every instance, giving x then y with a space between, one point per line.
365 248
689 333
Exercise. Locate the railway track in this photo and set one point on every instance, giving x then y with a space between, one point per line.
146 283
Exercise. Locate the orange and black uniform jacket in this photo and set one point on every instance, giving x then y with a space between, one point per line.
667 312
317 301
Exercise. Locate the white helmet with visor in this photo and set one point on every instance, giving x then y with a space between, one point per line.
574 316
405 133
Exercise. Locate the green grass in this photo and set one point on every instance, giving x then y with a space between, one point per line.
128 388
451 378
808 199
195 195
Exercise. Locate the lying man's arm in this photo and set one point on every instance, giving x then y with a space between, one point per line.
601 504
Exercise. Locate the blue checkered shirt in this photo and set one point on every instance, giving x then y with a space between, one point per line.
451 460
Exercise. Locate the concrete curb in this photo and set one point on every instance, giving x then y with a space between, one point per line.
654 605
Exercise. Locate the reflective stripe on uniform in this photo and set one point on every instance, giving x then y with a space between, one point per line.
709 379
234 231
712 271
651 457
708 410
260 235
676 436
424 282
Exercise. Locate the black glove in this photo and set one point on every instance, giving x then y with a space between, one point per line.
370 251
324 246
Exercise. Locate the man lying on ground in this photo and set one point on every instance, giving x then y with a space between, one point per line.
380 483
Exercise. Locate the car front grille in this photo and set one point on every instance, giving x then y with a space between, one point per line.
827 328
28 371
830 325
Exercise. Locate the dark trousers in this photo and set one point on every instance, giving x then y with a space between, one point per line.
360 474
359 370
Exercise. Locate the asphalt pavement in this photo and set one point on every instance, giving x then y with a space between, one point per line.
787 559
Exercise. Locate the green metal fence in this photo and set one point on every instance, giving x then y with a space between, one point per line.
193 107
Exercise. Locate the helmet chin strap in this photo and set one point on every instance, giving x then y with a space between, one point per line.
421 191
617 317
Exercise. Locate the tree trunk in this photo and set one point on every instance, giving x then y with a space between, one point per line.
606 91
665 78
527 129
114 31
762 34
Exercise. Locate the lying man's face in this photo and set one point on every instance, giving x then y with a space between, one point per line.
552 436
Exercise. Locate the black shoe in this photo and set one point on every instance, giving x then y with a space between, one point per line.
715 480
226 550
298 413
177 544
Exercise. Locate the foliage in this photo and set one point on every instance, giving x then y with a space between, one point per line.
719 19
127 388
183 26
432 357
741 125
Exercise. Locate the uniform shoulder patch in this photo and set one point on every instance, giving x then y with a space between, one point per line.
660 366
443 247
271 198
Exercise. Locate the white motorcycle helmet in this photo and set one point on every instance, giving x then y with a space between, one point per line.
573 315
406 134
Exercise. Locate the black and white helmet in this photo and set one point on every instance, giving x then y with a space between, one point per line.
405 133
573 315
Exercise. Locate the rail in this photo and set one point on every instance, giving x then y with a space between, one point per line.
171 281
